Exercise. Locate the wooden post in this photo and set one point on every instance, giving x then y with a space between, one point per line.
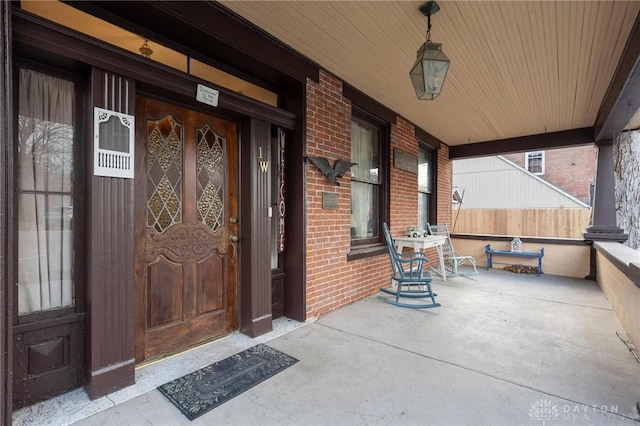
6 290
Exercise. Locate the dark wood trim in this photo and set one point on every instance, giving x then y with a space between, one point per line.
78 190
427 138
593 265
634 273
561 139
604 142
111 378
623 95
139 228
366 252
65 319
110 253
277 288
35 37
30 330
259 326
6 206
384 202
538 240
254 246
295 284
369 104
603 215
433 195
210 29
436 179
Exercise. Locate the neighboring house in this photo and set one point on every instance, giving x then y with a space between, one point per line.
502 198
572 169
497 183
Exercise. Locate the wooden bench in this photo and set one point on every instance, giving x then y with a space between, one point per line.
491 253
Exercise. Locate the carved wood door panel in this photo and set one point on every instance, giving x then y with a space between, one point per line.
187 291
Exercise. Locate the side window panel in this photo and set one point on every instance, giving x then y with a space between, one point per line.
45 192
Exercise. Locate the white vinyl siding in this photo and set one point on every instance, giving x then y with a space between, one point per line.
497 183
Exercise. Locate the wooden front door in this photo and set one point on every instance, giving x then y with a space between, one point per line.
187 194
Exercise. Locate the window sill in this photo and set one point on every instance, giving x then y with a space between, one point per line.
363 252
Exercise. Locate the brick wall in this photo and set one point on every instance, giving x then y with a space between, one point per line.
444 184
332 281
404 185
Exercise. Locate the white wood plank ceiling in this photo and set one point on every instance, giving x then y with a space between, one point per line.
517 67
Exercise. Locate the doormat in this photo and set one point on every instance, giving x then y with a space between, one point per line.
201 391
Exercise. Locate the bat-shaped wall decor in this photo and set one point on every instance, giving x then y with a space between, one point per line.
338 169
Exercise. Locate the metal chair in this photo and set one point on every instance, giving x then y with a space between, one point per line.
452 259
412 281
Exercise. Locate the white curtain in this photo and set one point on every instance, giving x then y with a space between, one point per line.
364 175
425 185
45 185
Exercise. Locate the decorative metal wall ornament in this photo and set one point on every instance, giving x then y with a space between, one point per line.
431 66
332 173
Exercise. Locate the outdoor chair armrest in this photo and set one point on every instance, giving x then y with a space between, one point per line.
412 265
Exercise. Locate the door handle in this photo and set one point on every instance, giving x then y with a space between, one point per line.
233 239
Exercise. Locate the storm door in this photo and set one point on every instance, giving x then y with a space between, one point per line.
187 293
48 322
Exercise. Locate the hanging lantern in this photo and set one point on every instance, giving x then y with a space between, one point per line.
431 66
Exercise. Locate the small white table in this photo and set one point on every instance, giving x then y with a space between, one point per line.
423 243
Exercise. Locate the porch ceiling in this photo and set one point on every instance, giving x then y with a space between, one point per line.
517 68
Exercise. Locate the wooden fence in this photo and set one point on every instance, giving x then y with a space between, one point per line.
555 223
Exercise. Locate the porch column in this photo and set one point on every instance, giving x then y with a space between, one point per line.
109 336
603 216
255 228
6 293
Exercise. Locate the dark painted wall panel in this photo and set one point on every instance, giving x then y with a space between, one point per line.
255 225
6 294
294 288
110 255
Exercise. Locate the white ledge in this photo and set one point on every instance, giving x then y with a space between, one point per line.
624 254
626 258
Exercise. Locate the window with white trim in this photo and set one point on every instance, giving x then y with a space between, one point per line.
534 162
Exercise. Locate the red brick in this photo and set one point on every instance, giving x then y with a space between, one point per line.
333 282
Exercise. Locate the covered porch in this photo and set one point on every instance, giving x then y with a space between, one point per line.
504 348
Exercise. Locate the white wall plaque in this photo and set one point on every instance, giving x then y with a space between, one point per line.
207 95
113 143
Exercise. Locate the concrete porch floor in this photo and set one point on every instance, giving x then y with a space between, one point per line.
503 349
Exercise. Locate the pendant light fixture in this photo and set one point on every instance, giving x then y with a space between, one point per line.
431 66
